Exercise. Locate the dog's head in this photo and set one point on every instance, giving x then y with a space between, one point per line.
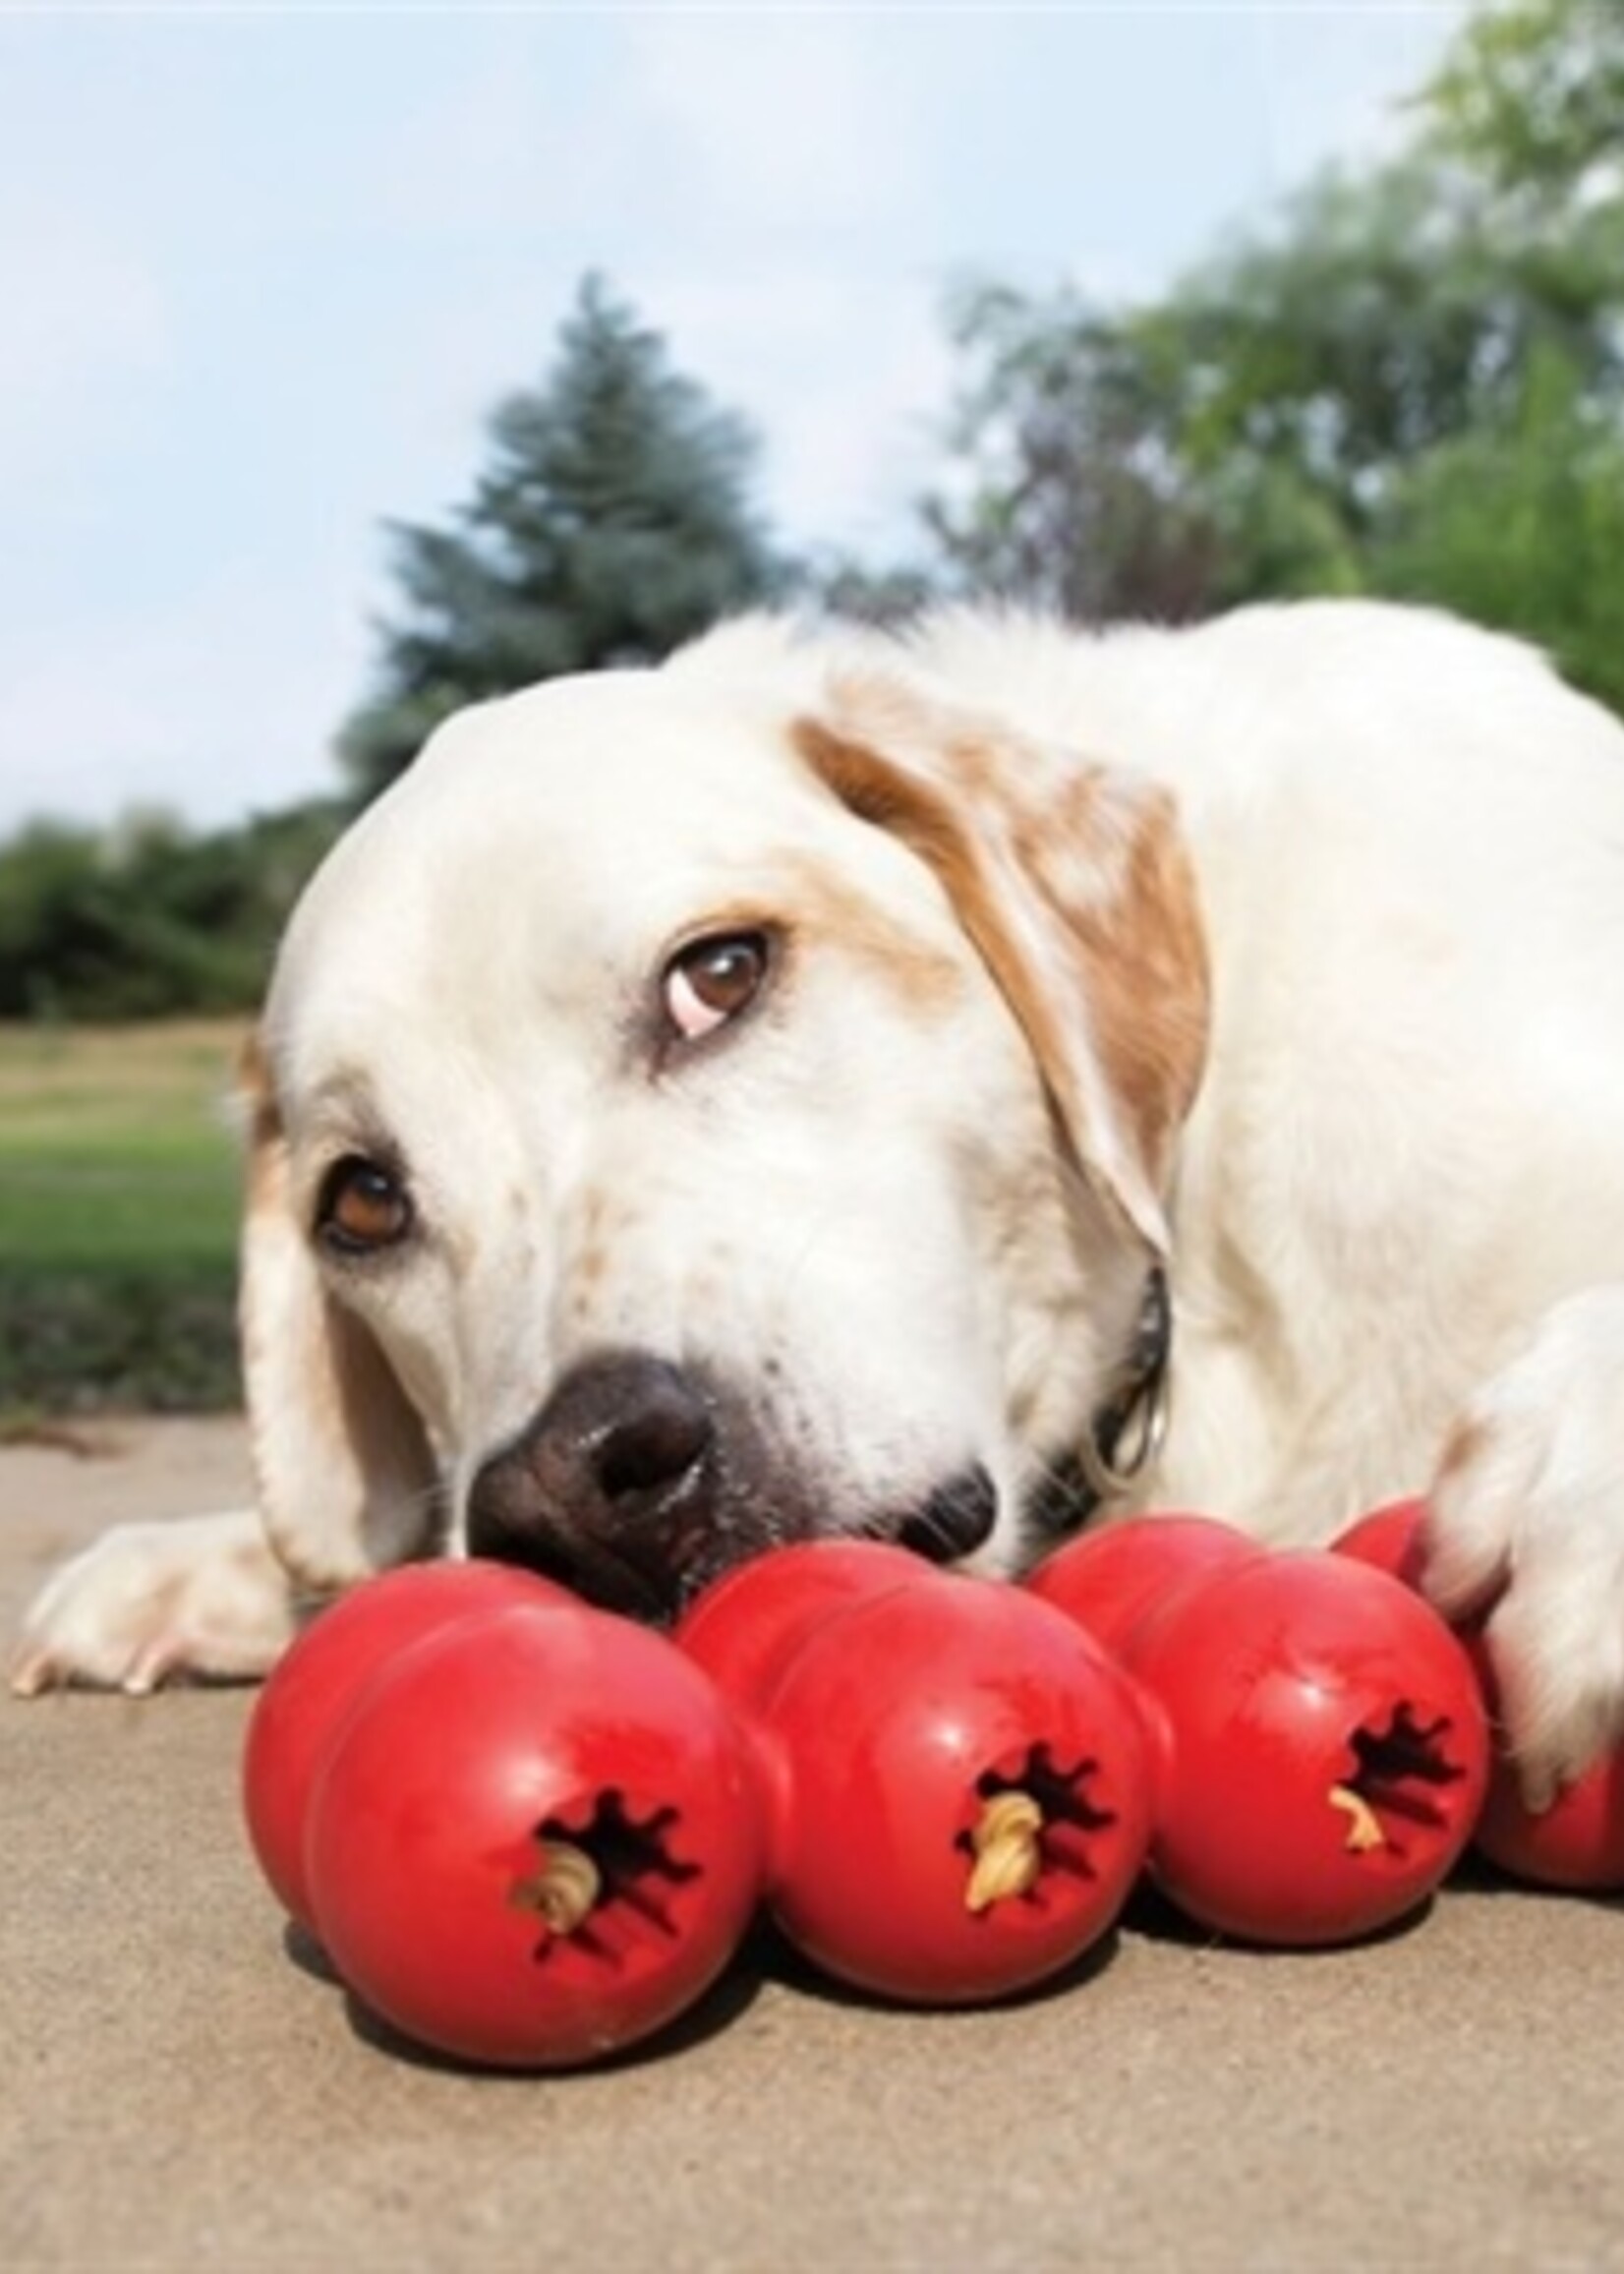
702 1108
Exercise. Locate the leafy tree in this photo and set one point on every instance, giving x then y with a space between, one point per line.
1532 98
148 919
611 523
1518 515
840 584
1062 490
1408 382
59 916
1521 524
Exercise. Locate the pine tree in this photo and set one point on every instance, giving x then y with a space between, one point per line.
611 523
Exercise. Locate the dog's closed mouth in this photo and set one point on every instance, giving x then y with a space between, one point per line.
956 1518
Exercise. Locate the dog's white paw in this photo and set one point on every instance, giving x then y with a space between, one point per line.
1527 1516
151 1601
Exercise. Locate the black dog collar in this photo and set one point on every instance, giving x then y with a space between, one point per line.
1127 1430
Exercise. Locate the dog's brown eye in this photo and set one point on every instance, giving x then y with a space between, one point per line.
363 1207
711 980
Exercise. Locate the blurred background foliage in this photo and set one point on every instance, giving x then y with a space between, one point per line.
1406 381
613 521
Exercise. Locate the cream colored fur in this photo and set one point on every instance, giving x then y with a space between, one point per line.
1289 949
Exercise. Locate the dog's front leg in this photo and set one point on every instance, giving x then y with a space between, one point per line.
1527 1520
202 1594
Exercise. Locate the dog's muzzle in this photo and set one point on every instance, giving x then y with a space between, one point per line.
640 1481
614 1488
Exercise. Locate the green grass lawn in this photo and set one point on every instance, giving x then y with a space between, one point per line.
118 1217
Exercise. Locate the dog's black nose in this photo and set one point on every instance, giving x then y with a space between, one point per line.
643 1429
611 1488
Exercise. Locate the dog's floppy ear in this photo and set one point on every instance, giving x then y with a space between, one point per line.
1073 884
345 1474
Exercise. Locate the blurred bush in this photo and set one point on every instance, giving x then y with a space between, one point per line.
149 919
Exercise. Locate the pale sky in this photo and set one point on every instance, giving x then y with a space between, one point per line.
265 270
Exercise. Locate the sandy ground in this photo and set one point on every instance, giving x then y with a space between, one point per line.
181 2085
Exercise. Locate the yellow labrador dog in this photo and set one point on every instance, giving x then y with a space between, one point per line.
943 1089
